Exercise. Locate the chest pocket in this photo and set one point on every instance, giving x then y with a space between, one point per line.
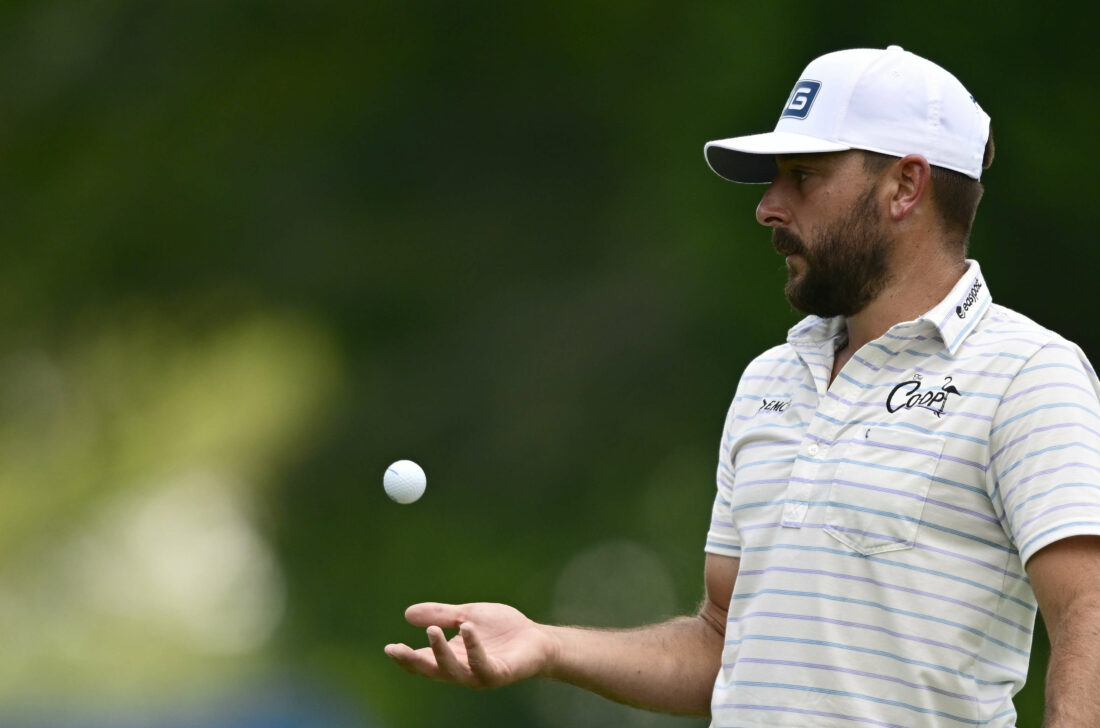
877 497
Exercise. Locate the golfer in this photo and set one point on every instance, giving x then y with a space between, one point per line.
902 486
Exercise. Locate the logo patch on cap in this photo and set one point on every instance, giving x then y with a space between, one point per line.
802 97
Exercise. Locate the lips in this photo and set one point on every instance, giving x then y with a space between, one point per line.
785 243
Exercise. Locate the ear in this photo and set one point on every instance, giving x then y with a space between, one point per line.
911 177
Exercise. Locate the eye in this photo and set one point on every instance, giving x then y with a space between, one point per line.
799 175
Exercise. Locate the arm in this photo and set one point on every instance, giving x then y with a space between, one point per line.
669 667
1066 578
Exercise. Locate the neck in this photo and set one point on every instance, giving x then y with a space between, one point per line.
911 290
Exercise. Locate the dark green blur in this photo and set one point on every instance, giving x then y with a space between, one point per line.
494 222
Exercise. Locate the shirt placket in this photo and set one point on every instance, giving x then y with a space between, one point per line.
816 460
807 477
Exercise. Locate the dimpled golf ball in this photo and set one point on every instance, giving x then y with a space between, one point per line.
405 481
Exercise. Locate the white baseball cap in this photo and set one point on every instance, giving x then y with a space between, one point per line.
889 101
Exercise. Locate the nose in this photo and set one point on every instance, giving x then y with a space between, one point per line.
771 212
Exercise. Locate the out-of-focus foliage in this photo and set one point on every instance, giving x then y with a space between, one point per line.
251 252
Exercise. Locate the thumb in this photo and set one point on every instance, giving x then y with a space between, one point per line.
429 614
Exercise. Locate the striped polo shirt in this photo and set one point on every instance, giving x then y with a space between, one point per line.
883 522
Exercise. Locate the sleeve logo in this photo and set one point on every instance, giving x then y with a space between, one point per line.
802 98
773 405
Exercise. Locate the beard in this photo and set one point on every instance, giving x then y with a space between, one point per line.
845 268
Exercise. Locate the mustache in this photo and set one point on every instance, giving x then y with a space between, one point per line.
787 243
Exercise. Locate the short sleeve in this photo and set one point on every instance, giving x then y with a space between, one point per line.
1045 450
722 538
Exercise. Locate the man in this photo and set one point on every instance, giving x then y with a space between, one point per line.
901 486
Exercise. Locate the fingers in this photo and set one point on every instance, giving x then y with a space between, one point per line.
428 614
463 660
477 657
450 666
437 661
415 662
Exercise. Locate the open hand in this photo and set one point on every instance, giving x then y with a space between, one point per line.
496 645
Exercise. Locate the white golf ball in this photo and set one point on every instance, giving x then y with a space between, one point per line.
405 481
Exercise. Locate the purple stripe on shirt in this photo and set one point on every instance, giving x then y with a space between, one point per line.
941 504
862 673
756 463
773 378
1040 473
1037 387
924 547
803 711
985 373
767 481
769 443
875 582
881 630
903 493
905 338
1052 509
1000 341
1037 453
1035 430
919 451
860 360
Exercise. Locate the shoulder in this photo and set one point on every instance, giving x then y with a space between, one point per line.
775 367
773 359
1001 327
811 336
1048 381
1008 334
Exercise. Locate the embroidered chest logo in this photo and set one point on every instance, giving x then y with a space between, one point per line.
909 394
774 405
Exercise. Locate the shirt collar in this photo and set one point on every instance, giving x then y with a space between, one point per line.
815 330
959 312
954 317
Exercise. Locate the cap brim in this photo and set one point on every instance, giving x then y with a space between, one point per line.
751 159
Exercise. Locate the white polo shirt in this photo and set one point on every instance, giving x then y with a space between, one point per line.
883 522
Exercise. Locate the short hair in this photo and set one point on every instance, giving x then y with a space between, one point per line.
954 194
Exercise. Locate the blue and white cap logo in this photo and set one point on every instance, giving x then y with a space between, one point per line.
802 98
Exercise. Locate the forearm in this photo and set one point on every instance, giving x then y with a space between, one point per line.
1072 700
668 667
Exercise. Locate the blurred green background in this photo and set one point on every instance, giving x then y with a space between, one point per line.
252 252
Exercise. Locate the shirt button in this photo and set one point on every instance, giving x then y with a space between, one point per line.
812 450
